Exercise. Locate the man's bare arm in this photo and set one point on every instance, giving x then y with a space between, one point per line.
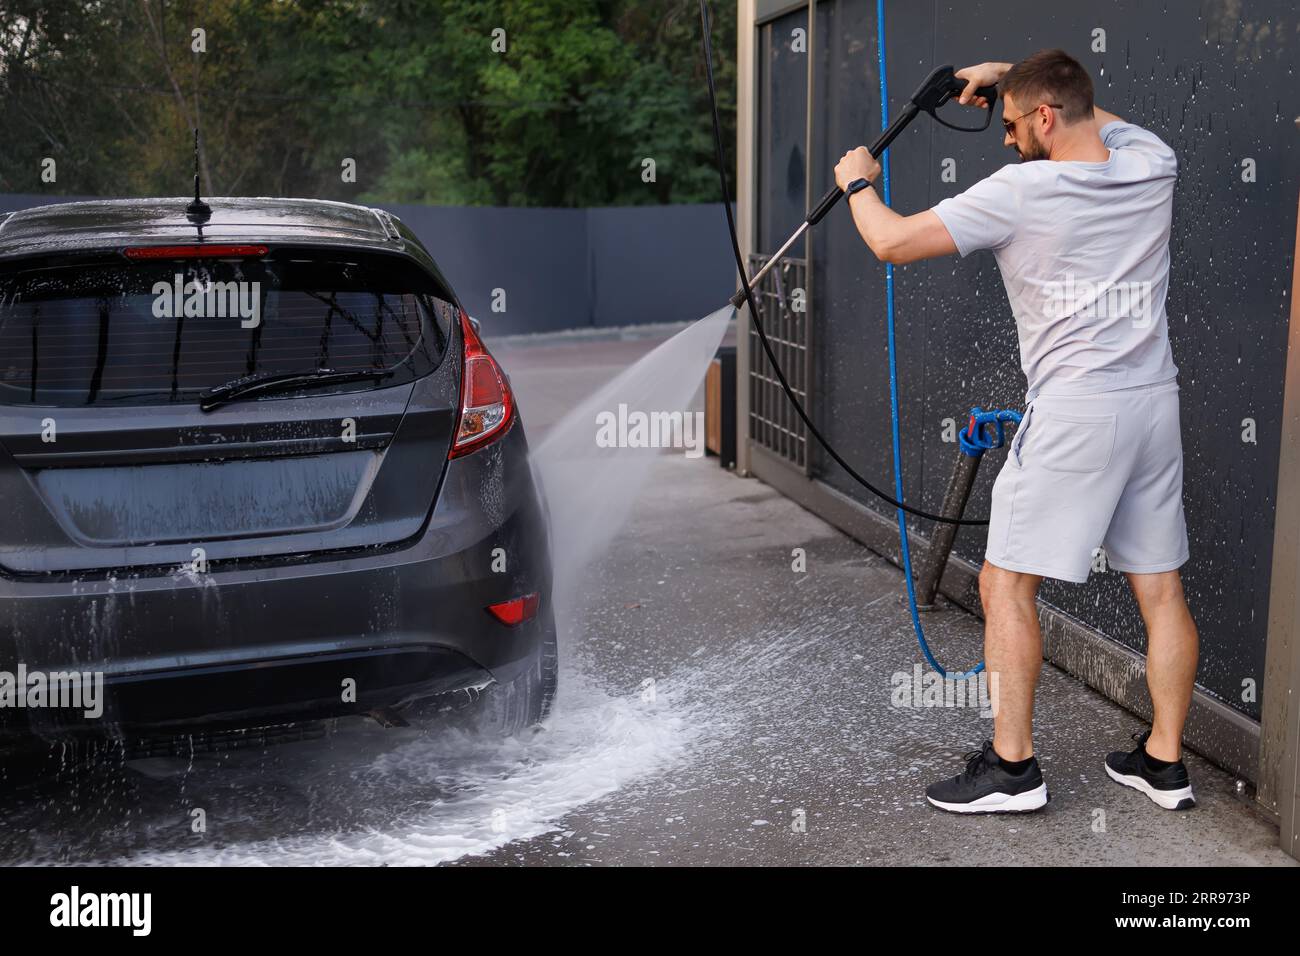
987 74
899 239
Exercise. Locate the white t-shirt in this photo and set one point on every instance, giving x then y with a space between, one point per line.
1083 249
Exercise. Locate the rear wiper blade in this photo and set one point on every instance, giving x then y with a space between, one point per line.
262 383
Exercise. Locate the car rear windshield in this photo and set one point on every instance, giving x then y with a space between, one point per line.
154 331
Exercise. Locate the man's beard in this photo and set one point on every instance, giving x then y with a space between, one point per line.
1035 149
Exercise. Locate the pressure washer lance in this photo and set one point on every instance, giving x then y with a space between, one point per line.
985 430
939 87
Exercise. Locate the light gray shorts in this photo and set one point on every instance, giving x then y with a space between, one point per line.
1092 471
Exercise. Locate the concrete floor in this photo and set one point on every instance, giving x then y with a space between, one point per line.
785 682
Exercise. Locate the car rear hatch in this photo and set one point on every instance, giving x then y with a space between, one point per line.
119 448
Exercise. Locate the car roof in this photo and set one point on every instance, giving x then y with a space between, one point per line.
112 223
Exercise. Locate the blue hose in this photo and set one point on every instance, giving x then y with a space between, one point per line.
893 372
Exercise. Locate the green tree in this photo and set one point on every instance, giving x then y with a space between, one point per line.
583 93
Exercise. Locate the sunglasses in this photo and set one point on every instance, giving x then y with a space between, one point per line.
1010 125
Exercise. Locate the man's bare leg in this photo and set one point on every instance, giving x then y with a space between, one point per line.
1004 776
1013 650
1172 647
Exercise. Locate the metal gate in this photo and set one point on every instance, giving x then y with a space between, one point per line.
782 302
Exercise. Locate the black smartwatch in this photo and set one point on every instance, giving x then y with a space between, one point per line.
856 186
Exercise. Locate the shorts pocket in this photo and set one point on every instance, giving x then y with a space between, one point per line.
1074 443
1022 429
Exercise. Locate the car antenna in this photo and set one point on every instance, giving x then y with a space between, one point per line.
197 212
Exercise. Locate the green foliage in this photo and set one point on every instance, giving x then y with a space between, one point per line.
412 90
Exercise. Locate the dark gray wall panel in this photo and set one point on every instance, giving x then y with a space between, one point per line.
852 405
782 131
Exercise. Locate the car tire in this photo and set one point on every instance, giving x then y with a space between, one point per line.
499 709
506 709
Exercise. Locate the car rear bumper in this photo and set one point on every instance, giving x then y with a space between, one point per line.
297 638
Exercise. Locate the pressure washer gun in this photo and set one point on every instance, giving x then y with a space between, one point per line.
983 431
939 87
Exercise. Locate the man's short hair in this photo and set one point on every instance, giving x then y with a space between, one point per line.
1050 76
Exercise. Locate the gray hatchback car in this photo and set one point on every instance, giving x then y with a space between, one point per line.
257 470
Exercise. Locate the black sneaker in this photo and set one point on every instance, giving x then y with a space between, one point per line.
985 786
1170 787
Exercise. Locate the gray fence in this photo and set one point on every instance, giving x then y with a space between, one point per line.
566 268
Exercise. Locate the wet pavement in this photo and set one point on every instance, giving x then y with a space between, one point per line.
716 707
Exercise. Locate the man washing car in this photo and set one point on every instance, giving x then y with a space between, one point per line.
1080 232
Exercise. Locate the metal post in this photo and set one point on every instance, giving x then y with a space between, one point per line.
812 161
746 194
954 505
1279 750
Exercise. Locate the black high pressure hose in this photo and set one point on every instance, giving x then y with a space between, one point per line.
707 27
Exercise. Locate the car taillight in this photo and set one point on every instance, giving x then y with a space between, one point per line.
193 252
487 407
515 611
